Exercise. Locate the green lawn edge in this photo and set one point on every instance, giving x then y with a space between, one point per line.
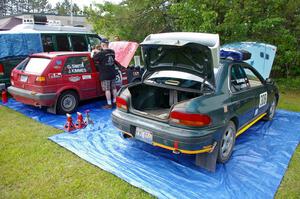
32 166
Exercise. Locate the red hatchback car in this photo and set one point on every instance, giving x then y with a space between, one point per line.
59 80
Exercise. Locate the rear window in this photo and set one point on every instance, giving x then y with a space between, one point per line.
36 65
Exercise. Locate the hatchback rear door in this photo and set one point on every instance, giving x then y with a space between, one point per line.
29 74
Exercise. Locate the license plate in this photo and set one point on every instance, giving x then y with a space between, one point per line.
23 78
144 135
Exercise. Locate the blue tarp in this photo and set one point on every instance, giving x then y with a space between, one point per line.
258 163
19 44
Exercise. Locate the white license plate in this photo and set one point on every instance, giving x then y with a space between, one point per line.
24 78
144 135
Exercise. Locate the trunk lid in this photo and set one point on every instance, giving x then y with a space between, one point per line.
196 53
124 51
262 55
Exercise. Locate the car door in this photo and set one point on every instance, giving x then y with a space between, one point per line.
256 85
242 96
78 72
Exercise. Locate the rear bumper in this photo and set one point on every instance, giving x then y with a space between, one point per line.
190 141
32 98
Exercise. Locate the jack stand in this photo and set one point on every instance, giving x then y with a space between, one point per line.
208 160
69 126
88 119
80 123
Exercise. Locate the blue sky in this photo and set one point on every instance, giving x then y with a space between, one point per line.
82 3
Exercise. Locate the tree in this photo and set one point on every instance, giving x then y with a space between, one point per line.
64 8
274 22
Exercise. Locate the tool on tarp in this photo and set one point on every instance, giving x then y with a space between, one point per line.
88 119
69 126
4 96
80 123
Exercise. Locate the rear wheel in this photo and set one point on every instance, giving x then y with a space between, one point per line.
271 111
226 143
67 102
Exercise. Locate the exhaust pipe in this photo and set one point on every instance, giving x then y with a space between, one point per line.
37 105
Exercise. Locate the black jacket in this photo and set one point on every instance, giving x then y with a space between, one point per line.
105 63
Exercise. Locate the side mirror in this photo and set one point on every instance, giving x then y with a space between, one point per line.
269 81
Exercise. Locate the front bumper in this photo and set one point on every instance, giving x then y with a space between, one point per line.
32 98
189 141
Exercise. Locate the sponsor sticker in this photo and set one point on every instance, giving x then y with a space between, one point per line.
263 98
86 77
74 79
256 111
76 68
54 75
58 62
225 109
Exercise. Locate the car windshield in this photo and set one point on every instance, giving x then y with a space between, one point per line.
190 56
179 79
36 65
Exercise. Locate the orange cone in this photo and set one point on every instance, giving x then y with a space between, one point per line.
69 126
80 123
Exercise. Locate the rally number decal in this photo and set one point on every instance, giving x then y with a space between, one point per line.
263 97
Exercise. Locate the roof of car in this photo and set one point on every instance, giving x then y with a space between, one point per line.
182 38
37 28
55 54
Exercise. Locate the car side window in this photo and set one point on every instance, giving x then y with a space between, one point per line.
48 43
254 81
238 79
79 43
94 40
62 43
77 65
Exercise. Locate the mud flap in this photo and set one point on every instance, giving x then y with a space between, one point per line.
208 161
52 109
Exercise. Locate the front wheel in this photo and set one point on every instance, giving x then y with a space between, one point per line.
67 102
227 143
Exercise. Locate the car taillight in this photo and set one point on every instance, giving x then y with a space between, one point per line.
40 79
189 119
1 69
121 104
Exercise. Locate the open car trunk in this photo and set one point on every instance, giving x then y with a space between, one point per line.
154 101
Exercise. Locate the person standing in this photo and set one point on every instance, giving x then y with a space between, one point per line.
105 62
96 50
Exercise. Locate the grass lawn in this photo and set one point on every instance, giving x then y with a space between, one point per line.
33 167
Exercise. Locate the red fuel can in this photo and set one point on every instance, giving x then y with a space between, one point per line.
4 97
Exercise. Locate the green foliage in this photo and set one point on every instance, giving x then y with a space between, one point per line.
275 22
64 8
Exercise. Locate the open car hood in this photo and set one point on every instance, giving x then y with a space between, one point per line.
197 53
124 51
262 55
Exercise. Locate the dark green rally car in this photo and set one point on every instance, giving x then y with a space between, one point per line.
191 101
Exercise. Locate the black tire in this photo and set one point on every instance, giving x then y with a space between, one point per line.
67 102
271 111
227 142
126 136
